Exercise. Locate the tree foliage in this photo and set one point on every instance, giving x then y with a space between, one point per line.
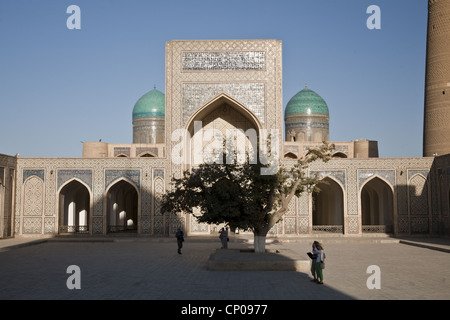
239 195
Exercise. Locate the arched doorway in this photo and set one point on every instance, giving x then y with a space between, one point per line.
377 207
221 123
223 120
122 207
74 208
328 207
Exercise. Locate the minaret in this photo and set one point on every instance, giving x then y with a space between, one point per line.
436 134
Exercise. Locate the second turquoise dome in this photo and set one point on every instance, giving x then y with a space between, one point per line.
306 102
150 105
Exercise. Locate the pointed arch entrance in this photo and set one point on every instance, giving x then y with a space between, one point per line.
221 120
122 207
328 207
74 208
377 206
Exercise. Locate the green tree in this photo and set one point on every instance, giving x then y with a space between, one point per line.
240 196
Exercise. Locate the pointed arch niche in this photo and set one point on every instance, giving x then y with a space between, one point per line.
122 207
222 114
74 207
33 196
377 206
418 204
328 207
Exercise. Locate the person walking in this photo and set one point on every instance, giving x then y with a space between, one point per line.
320 256
224 237
180 239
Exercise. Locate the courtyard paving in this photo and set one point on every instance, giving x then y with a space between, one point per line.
134 268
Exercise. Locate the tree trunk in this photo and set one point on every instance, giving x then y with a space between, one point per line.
260 243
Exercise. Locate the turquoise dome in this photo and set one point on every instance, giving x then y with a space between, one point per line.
306 102
150 105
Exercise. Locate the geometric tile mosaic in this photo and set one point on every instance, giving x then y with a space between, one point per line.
113 174
33 172
83 175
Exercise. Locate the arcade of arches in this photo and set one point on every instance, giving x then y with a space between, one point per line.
121 206
376 207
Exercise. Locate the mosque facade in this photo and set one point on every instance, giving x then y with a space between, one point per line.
220 86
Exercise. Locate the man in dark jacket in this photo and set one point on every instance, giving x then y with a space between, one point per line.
180 238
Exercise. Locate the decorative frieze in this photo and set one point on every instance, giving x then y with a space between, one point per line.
223 61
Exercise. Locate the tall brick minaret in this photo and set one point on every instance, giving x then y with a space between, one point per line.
436 134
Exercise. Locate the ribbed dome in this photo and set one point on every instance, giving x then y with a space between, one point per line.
306 102
150 105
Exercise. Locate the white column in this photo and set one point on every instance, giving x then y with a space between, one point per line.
82 218
71 214
113 215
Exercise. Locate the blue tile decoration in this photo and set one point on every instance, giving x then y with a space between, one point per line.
339 175
364 175
66 175
412 173
132 175
30 172
158 173
251 95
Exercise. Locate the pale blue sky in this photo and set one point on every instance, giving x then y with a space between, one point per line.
59 86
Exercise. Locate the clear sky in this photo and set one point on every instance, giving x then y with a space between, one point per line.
59 87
